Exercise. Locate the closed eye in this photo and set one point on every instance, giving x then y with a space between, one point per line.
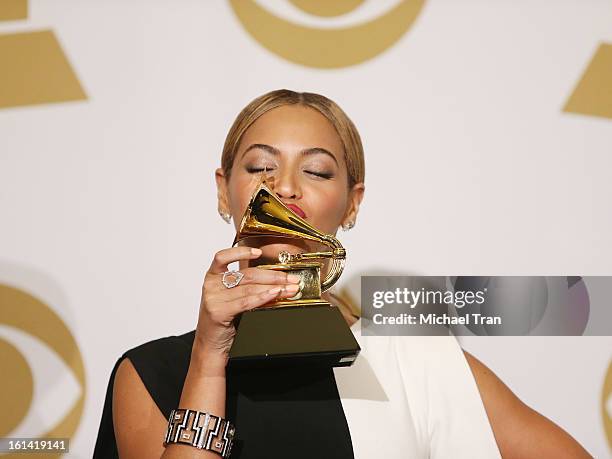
256 170
325 175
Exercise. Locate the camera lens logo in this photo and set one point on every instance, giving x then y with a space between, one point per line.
42 392
606 405
323 46
551 305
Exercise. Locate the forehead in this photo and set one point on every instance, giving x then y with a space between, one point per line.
294 127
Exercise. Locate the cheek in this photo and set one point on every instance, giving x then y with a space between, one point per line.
241 188
327 208
326 203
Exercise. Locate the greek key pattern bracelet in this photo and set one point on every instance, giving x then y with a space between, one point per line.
201 430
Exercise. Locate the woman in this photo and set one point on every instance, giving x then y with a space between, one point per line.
404 397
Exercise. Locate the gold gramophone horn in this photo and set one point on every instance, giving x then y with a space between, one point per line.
266 215
304 328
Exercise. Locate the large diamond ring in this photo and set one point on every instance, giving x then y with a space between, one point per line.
232 278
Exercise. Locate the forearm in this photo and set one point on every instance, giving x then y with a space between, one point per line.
204 390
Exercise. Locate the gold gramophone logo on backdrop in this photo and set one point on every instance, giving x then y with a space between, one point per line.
45 392
35 69
324 47
593 93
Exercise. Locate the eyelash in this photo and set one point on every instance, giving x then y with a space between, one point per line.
323 175
254 170
257 170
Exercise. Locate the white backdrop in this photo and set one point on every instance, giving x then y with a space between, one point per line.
472 168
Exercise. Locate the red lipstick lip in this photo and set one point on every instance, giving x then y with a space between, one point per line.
297 210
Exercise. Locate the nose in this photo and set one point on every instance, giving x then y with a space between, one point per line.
286 185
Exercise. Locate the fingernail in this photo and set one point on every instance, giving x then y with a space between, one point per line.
256 251
274 290
293 278
292 288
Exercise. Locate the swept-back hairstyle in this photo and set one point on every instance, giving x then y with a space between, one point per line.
349 136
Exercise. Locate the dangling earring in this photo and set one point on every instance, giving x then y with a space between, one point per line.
225 216
347 226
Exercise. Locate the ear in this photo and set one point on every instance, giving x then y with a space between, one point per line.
355 198
222 191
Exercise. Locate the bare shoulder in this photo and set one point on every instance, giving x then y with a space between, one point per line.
136 417
520 431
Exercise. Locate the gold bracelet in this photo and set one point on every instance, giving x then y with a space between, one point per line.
201 430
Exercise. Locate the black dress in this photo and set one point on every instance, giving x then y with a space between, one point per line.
278 413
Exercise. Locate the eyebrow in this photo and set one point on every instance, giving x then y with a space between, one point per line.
275 151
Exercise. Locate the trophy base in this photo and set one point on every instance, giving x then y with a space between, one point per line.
293 335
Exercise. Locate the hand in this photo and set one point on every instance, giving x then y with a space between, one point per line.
220 305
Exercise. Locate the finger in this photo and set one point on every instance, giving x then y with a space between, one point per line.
247 303
226 256
268 276
241 291
257 275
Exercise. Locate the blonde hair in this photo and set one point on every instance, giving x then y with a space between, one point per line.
353 149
